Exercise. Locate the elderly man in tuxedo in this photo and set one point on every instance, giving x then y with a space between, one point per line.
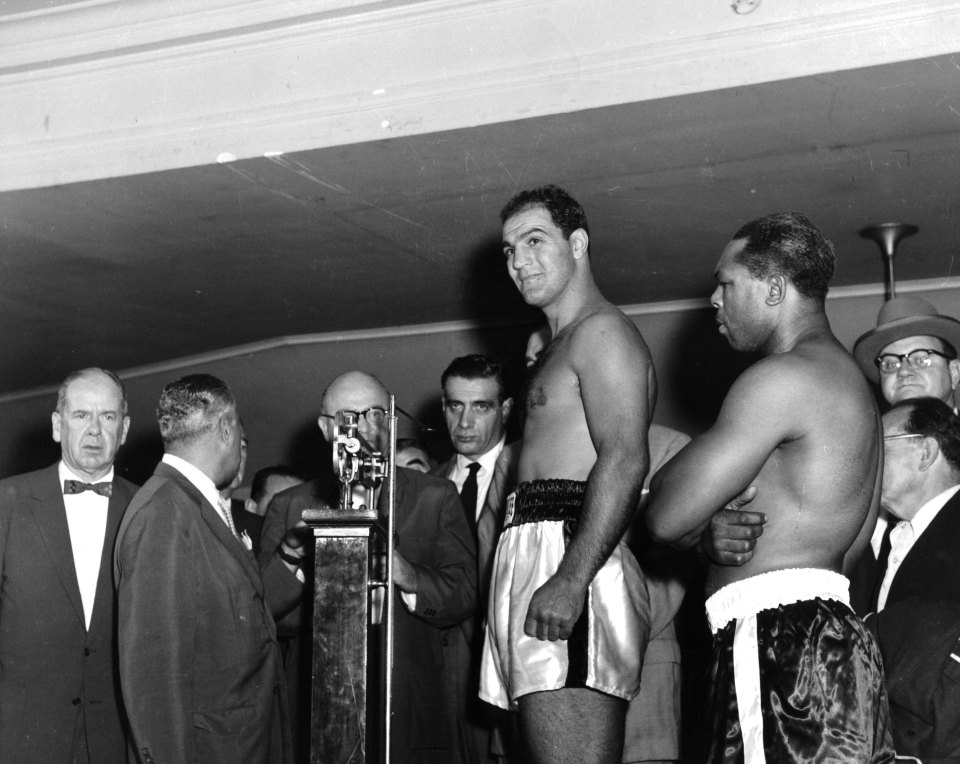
476 407
59 688
434 571
199 662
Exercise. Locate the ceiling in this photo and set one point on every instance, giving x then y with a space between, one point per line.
145 268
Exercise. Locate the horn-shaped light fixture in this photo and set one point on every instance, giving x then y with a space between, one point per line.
887 236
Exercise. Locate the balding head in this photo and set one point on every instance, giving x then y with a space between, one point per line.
359 392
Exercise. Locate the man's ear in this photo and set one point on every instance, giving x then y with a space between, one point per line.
250 505
929 450
580 243
226 428
56 422
954 367
326 427
506 408
776 289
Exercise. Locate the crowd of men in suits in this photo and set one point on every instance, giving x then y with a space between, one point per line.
166 624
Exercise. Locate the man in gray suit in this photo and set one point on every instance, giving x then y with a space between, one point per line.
484 469
59 688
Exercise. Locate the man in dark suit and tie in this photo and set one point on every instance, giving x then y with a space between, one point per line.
199 662
59 688
434 570
476 407
915 582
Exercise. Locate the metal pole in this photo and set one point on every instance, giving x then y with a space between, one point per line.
389 594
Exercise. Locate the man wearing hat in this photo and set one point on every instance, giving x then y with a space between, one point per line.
912 352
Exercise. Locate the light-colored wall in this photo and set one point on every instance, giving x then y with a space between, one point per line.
278 385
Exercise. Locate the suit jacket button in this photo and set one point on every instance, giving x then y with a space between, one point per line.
86 651
75 701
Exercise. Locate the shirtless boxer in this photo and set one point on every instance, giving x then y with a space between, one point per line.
795 675
563 581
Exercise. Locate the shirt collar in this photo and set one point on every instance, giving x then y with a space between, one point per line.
928 512
198 479
487 460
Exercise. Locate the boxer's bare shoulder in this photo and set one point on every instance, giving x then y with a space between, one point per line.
597 367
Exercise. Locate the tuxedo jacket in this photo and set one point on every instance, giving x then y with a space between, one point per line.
199 663
56 677
434 537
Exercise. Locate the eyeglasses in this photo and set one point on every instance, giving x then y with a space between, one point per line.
921 358
904 436
375 415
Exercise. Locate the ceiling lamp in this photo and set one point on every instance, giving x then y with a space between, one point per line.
887 236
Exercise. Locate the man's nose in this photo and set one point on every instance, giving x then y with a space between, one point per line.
467 418
521 258
715 300
905 368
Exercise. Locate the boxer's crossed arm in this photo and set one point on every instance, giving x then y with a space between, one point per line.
731 534
718 468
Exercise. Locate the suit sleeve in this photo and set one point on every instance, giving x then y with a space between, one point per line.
447 583
282 590
158 612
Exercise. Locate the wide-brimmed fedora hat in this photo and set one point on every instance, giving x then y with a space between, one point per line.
898 318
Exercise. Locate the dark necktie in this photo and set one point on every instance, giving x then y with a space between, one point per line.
882 556
468 495
78 486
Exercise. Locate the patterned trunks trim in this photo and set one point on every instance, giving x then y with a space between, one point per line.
795 675
606 648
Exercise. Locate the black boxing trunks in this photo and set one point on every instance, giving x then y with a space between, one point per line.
795 675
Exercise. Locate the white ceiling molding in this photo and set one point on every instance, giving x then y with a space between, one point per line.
102 89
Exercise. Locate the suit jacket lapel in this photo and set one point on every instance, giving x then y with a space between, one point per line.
211 517
50 516
923 554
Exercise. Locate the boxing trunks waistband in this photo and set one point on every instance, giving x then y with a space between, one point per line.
769 590
539 501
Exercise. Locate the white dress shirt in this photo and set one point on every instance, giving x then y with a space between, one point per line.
487 462
905 535
202 483
87 522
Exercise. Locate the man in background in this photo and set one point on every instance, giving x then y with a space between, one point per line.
199 662
434 569
476 408
266 484
59 686
912 352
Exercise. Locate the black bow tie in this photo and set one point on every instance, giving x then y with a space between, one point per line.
78 486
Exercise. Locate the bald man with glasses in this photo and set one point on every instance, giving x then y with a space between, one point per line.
435 571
